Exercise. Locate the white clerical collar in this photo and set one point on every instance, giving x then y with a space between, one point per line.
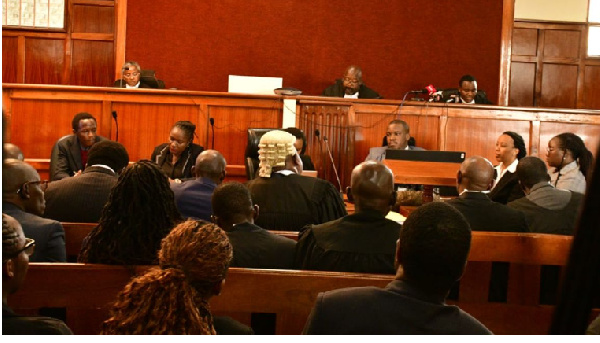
351 96
285 172
466 190
136 86
103 166
463 101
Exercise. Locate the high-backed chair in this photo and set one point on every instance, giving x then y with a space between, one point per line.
251 154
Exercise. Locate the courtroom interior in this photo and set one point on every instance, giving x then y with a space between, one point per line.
278 167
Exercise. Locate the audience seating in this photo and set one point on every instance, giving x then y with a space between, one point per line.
87 290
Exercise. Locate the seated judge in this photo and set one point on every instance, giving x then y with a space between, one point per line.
177 157
510 148
570 162
547 209
70 153
398 135
467 92
431 255
300 146
131 76
363 242
351 86
288 200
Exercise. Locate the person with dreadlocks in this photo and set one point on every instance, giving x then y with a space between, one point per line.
177 157
16 250
569 161
173 299
139 213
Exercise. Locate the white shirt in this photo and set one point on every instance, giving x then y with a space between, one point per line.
500 173
136 86
351 96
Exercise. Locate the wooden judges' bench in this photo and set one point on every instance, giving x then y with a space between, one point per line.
41 114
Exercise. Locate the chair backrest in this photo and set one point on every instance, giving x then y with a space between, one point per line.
149 77
251 154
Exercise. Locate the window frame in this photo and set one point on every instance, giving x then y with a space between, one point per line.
590 24
62 29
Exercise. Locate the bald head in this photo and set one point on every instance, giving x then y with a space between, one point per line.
15 174
372 186
476 174
20 188
210 164
12 151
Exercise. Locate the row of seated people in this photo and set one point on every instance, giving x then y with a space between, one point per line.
350 86
143 190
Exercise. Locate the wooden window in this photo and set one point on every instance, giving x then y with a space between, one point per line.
33 14
594 29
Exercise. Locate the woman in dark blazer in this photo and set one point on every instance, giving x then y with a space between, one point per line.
510 148
177 157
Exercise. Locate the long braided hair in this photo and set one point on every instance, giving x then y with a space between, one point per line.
139 213
173 299
581 154
10 238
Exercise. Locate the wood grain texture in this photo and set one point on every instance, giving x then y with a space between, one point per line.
522 84
591 87
562 43
44 60
93 19
9 59
524 42
559 86
92 63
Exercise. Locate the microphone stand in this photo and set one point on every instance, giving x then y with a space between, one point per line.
114 115
333 164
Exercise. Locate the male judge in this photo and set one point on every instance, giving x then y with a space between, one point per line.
467 92
363 242
288 200
398 135
431 255
70 153
351 86
131 76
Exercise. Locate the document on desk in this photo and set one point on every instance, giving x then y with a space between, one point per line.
254 84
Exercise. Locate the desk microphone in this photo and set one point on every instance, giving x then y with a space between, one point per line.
114 115
212 125
333 164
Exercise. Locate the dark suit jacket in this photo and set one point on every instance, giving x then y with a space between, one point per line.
337 90
80 199
485 215
254 247
118 84
13 324
507 189
363 242
290 202
398 309
183 167
193 197
66 157
48 234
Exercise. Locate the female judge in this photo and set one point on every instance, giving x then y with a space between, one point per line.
569 162
510 148
177 157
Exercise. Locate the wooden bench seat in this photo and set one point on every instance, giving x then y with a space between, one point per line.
87 290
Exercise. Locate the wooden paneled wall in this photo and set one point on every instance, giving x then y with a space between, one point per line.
83 53
39 115
549 67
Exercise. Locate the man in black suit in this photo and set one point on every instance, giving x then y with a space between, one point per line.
467 93
70 153
253 247
131 76
81 199
16 250
23 199
431 255
351 86
363 242
474 180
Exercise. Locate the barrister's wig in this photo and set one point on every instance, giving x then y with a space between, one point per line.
274 146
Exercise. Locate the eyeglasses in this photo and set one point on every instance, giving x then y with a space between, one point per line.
29 247
43 185
131 75
350 81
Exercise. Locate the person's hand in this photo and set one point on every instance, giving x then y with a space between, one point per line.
77 173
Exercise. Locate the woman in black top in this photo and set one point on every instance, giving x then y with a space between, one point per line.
177 157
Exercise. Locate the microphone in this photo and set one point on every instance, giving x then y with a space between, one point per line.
318 134
212 125
333 164
114 115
